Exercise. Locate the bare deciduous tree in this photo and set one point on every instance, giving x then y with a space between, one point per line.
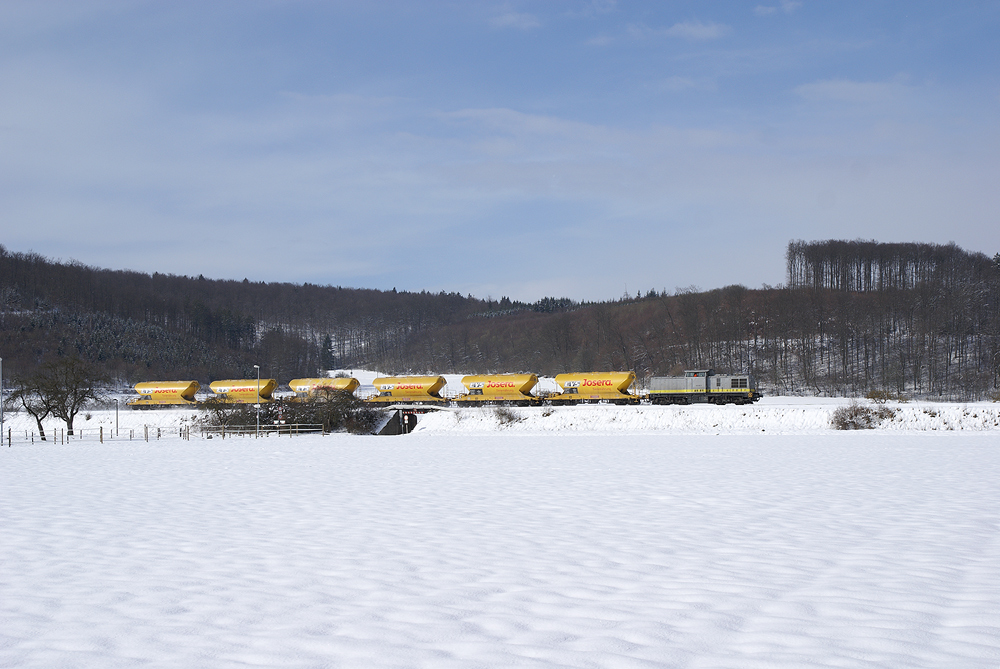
27 396
59 388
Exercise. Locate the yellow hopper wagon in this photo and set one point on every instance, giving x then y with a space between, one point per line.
505 389
408 390
164 394
306 389
243 391
595 387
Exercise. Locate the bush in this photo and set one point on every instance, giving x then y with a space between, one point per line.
857 416
883 396
507 417
335 410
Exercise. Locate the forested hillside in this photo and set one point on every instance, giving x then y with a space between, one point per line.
139 326
916 319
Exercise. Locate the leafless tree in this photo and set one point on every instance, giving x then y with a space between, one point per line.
26 395
59 388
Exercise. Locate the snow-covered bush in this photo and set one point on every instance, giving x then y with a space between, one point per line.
857 416
506 416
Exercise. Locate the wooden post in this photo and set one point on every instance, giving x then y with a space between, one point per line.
102 434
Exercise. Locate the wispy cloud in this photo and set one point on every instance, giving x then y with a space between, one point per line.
787 6
600 40
696 30
518 20
859 92
594 8
677 84
690 30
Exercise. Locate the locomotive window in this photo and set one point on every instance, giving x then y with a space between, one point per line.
740 383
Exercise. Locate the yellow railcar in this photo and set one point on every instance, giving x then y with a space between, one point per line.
306 388
408 390
154 394
513 389
243 391
594 387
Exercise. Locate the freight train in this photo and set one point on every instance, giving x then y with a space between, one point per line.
701 385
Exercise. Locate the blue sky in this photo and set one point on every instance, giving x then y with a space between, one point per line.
579 149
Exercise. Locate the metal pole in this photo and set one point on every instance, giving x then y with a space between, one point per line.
1 396
116 416
257 367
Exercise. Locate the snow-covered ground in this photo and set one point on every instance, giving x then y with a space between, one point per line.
635 549
772 415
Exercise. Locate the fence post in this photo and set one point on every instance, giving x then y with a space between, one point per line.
146 428
102 434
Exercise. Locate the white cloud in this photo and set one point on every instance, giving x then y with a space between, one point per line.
858 92
515 20
691 30
696 30
787 6
600 40
594 8
677 83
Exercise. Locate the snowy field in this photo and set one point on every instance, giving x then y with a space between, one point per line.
438 549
